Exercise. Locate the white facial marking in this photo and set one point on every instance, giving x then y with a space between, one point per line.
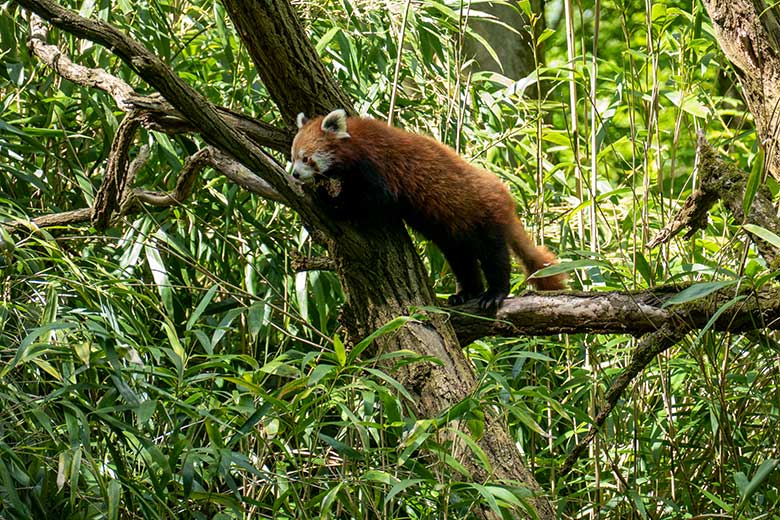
302 172
323 160
306 167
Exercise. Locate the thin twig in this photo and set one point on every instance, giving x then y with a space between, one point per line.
650 346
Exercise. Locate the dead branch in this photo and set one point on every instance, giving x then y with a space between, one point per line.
62 65
721 180
692 215
114 195
241 175
206 157
184 184
156 113
153 111
66 218
213 127
140 159
109 195
730 182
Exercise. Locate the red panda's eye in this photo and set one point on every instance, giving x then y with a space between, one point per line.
305 160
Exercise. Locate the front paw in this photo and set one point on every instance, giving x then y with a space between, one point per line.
491 300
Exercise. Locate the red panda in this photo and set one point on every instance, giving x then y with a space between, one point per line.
383 172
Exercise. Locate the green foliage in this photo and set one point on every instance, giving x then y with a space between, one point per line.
175 366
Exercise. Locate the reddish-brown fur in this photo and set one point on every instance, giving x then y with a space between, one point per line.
467 211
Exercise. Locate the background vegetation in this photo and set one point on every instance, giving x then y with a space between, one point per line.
128 391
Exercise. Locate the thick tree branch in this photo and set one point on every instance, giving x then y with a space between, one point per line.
184 184
156 113
734 310
635 313
380 270
65 218
241 175
290 68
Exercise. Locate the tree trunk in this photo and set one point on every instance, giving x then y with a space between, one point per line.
379 269
512 40
748 31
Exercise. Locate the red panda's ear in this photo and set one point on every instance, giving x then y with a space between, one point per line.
336 123
301 120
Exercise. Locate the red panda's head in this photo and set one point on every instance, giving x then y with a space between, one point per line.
316 144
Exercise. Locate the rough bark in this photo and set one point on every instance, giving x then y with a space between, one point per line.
725 179
108 197
380 271
635 313
748 31
721 180
288 63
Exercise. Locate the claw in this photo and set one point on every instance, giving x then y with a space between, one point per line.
491 299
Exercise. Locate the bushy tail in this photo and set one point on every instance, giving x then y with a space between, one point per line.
534 258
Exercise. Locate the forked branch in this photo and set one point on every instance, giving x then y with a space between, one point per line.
153 111
212 125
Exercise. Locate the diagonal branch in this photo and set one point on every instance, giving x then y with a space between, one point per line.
650 346
154 112
241 175
62 65
213 127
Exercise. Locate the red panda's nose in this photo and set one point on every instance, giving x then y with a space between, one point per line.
296 175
